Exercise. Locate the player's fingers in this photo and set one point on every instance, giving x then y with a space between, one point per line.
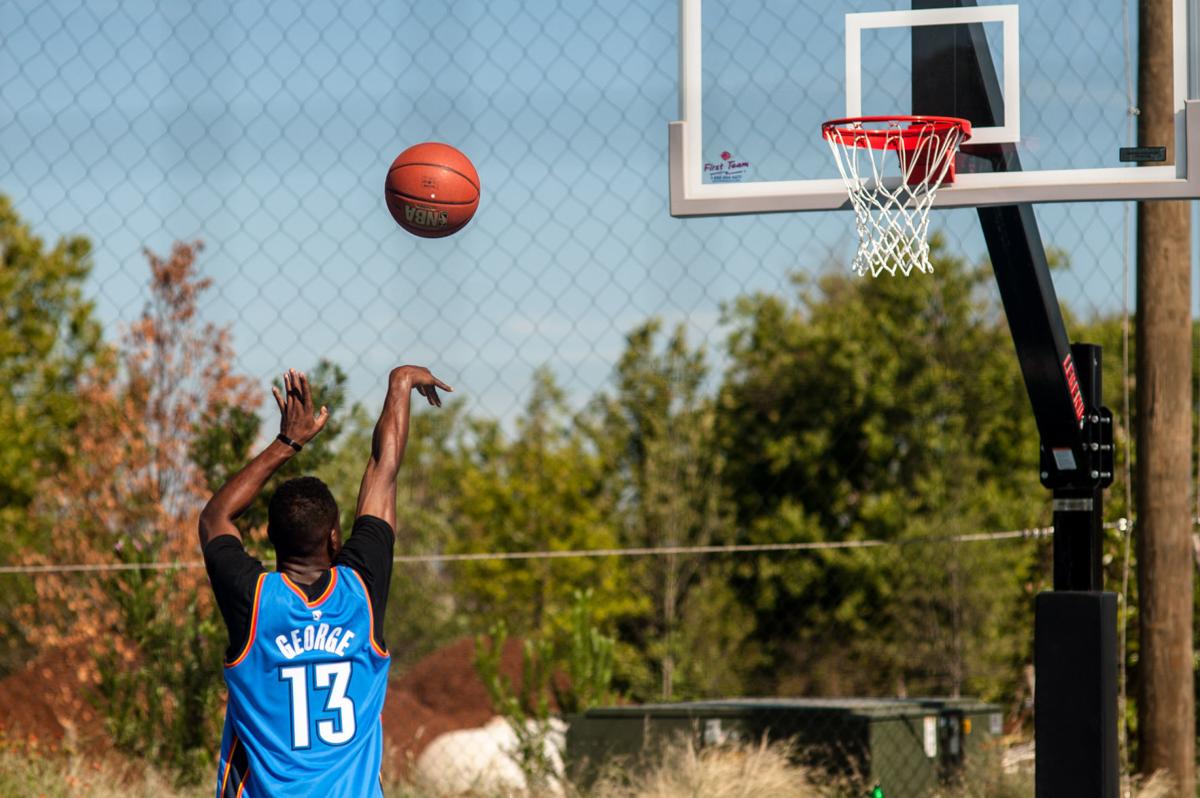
322 418
305 390
433 397
441 384
278 398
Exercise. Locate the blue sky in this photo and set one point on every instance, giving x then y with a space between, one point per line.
266 131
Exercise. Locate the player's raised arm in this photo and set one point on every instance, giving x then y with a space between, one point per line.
297 426
377 494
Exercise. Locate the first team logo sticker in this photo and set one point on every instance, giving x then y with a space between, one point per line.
728 169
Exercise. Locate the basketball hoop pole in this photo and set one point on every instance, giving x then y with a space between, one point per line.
1075 652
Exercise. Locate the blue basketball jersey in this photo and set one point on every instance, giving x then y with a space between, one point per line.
305 695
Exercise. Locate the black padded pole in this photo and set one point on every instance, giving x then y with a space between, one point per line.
1075 706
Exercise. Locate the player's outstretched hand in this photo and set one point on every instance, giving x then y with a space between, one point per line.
407 378
297 419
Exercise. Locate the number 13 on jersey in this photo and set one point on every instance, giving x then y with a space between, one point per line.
326 684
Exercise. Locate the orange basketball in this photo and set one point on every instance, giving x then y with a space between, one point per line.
432 190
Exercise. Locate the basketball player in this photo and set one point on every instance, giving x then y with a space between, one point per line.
307 664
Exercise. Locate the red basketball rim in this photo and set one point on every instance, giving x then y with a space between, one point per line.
852 133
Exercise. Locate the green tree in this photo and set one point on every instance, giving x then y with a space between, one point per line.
49 340
664 471
881 409
540 490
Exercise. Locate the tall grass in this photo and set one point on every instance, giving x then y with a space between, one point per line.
33 775
682 771
744 771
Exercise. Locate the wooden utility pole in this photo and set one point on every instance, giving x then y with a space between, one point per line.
1166 705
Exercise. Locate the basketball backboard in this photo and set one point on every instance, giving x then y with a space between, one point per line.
758 77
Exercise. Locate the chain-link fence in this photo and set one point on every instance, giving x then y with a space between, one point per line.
265 132
583 421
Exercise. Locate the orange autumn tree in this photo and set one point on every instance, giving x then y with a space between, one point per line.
129 495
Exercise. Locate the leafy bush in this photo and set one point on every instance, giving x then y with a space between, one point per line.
578 675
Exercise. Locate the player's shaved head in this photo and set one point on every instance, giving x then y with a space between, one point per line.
301 514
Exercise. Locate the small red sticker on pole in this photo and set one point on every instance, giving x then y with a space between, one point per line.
1073 386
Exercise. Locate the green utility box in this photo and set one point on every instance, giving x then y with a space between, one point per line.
966 726
903 745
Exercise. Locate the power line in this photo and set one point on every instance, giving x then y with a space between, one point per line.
1032 533
748 548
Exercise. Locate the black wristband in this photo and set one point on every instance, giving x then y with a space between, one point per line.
285 439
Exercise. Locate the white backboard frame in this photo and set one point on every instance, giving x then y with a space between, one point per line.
1007 16
690 196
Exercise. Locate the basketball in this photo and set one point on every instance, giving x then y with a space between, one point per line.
432 190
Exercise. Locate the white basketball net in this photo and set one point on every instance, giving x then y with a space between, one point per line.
892 210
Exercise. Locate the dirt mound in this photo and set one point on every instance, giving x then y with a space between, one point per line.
441 693
46 703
